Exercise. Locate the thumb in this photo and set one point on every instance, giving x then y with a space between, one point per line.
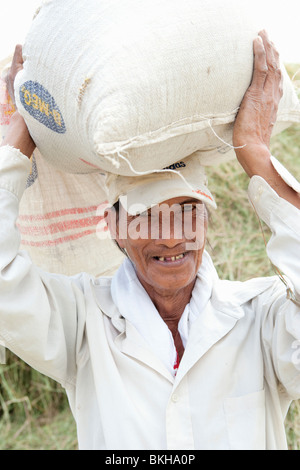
260 71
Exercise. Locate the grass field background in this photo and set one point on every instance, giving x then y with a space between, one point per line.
34 413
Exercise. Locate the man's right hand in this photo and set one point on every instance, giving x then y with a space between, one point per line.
18 136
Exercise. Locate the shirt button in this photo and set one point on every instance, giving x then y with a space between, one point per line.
175 398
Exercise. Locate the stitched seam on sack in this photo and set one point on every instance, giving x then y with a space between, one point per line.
155 136
159 134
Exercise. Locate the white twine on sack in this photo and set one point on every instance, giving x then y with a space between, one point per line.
149 172
224 142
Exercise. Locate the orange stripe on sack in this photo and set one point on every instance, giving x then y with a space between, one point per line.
58 241
60 213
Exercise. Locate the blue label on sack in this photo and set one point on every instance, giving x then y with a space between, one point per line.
41 105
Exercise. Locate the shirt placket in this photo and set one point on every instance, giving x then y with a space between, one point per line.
179 429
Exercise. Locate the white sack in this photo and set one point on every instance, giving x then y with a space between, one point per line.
142 81
61 215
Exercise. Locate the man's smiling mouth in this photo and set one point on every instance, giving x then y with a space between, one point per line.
170 259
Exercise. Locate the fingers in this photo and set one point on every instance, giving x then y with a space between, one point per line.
272 56
258 110
267 80
260 64
266 63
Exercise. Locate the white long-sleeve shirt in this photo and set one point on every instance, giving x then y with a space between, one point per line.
241 365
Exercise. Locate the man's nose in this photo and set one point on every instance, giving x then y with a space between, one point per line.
169 232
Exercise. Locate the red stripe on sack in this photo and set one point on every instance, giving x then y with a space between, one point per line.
60 226
60 213
91 164
47 243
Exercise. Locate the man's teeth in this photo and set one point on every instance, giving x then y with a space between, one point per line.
171 258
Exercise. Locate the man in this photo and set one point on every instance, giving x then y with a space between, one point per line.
165 355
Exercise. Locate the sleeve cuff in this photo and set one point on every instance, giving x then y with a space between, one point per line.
268 204
14 170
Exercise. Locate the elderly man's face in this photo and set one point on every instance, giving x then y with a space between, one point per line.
165 243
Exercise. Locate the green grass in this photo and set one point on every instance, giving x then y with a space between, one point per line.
34 413
51 433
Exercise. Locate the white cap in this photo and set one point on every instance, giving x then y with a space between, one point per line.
138 193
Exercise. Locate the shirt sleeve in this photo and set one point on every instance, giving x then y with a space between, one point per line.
281 323
284 221
38 311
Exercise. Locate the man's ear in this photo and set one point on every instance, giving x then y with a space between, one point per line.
111 217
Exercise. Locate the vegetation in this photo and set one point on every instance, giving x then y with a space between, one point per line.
33 409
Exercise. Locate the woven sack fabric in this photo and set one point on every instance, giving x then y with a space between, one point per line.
129 86
61 217
62 222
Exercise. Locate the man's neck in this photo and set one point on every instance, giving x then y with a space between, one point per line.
170 305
